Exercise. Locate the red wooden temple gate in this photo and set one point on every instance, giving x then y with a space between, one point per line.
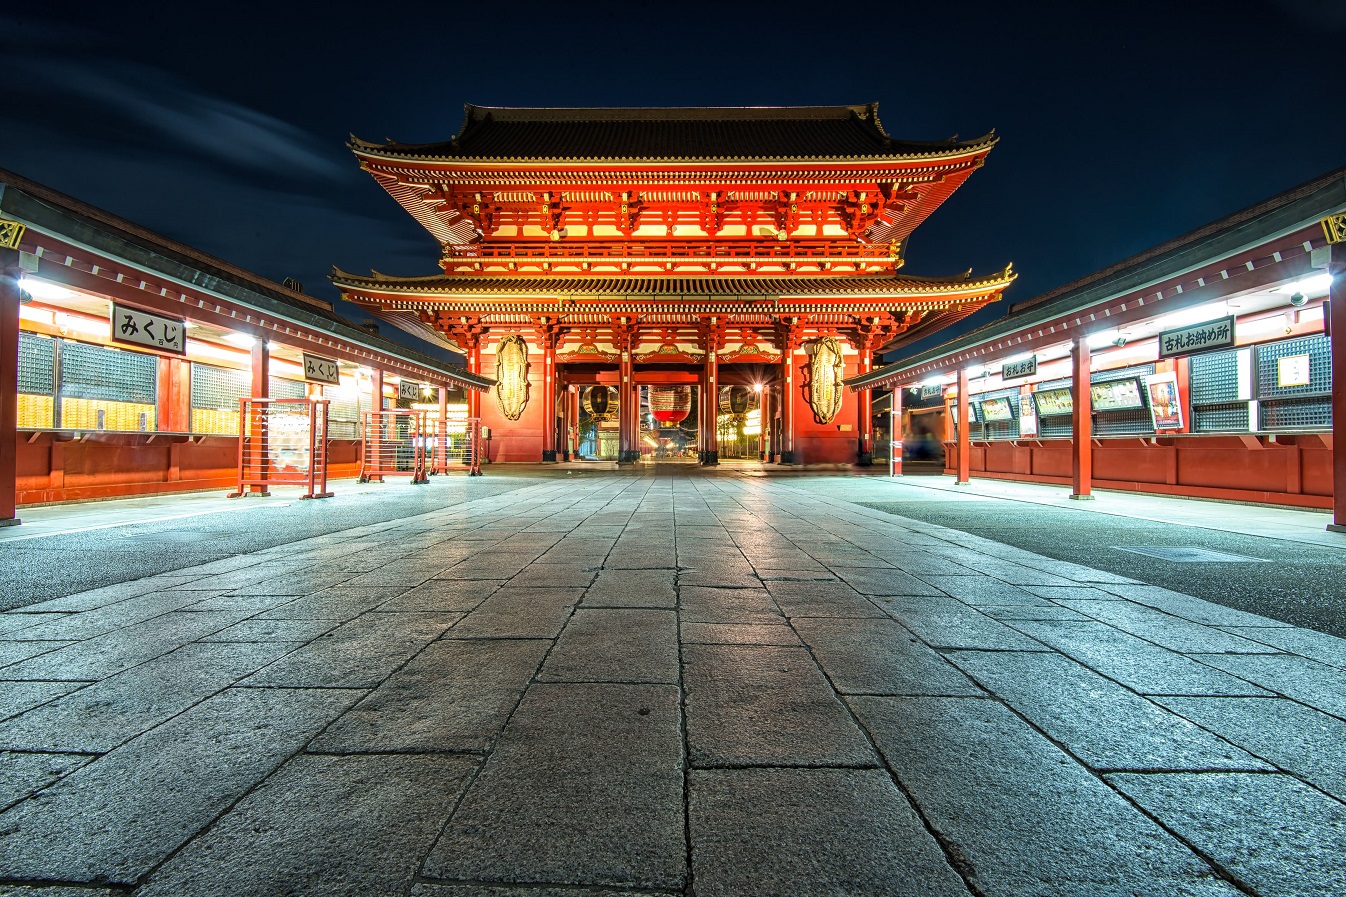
638 249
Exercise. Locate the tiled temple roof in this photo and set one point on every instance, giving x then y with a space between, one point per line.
671 134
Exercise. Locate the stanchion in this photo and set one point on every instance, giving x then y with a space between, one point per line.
282 442
392 443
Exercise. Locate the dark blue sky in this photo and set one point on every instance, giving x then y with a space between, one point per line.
1122 125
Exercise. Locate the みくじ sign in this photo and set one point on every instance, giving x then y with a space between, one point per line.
318 369
141 328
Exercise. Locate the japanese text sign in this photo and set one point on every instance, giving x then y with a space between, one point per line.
407 389
141 328
1014 369
321 370
1218 334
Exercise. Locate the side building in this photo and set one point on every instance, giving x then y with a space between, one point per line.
1202 367
92 406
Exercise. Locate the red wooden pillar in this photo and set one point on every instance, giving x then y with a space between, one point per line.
964 430
895 433
787 407
473 350
1337 327
375 442
566 398
442 442
711 443
864 413
1081 423
10 273
764 422
626 410
548 398
261 389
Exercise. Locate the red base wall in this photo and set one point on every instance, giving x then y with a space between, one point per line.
1293 470
53 467
514 440
835 442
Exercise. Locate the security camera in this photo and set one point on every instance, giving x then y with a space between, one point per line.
25 297
1298 299
1119 341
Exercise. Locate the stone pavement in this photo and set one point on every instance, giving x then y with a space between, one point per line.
669 683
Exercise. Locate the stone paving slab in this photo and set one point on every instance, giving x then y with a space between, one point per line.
880 657
100 716
1271 833
755 705
353 826
1298 739
615 645
811 833
584 787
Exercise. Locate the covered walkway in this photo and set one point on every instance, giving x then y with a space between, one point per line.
666 681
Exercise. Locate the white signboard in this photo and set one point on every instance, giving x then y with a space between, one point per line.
141 328
1292 370
321 370
406 389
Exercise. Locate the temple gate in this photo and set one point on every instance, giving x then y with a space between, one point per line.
612 269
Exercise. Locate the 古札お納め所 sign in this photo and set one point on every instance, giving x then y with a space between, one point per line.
321 370
1218 334
141 328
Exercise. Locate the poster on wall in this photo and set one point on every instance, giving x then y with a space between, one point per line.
996 409
1165 406
1028 419
1054 401
1116 395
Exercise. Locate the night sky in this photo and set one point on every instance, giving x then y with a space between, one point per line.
1122 125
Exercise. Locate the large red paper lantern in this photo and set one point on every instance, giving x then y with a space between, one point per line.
670 404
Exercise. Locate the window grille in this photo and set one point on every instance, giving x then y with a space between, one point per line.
1268 356
106 389
1215 378
36 373
1001 429
280 388
215 395
114 375
1225 417
1313 413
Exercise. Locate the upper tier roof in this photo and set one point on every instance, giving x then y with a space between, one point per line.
671 134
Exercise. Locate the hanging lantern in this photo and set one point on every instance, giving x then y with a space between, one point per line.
670 404
599 402
737 400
